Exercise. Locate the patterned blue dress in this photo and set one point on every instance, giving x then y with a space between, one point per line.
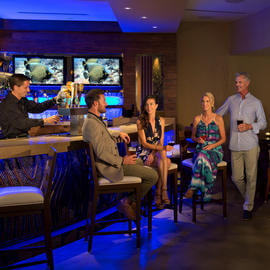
205 161
152 137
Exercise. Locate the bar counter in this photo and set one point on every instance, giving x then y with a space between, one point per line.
21 147
22 162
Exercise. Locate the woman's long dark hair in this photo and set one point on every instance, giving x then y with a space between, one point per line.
143 117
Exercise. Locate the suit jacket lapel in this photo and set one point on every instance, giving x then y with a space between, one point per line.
102 124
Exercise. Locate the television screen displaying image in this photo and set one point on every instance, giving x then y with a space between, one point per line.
98 70
40 69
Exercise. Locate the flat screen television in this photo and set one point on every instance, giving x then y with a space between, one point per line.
95 70
42 70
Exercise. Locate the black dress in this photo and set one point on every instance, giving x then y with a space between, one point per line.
152 137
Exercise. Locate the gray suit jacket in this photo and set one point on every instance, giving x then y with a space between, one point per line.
108 161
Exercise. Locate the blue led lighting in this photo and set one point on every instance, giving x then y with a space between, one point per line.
113 112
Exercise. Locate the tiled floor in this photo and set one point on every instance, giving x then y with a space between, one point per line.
212 243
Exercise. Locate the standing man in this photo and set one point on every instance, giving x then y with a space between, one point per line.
14 109
108 161
247 119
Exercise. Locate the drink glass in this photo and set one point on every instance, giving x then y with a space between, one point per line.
203 137
131 150
239 122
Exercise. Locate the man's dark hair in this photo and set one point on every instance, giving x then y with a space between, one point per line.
17 79
93 95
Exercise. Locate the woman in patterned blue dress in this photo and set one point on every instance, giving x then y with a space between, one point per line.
151 149
209 132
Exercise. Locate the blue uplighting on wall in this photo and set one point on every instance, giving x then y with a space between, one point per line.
112 98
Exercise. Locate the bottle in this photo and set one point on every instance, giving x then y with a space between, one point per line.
35 97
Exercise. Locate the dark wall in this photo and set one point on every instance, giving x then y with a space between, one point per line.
84 42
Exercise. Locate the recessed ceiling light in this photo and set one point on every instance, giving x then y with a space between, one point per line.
127 8
154 27
144 17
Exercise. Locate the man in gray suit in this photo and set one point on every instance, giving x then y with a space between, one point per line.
108 161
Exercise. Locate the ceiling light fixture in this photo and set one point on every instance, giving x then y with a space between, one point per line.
155 27
127 8
144 17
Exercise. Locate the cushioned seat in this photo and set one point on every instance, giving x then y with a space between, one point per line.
173 166
188 163
20 195
126 180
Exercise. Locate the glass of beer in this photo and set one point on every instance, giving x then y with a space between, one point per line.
131 150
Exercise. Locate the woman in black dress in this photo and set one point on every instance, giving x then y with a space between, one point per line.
151 149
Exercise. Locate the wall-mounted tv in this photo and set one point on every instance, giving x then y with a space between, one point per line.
95 70
41 70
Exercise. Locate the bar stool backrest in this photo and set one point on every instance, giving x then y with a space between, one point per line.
92 167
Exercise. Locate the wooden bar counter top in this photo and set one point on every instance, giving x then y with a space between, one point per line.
21 147
30 146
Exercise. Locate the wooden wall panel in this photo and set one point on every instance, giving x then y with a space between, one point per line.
85 42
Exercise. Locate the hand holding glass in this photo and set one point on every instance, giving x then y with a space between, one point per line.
239 122
203 137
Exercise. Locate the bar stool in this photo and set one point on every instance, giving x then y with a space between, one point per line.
172 171
28 200
101 185
186 172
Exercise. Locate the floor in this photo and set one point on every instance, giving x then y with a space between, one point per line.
212 243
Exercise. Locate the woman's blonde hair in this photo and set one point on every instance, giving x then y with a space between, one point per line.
211 98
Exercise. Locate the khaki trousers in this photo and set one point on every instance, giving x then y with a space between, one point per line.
149 175
248 161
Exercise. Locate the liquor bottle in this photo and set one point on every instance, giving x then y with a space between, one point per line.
35 97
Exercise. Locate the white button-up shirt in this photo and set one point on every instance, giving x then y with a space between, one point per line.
250 110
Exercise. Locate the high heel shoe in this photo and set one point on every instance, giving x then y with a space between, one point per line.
157 200
189 193
165 198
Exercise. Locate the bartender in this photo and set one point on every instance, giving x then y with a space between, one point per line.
14 109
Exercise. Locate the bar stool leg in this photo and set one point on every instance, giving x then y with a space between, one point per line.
181 193
138 215
194 199
48 238
267 187
224 191
93 217
149 209
129 227
175 196
202 202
